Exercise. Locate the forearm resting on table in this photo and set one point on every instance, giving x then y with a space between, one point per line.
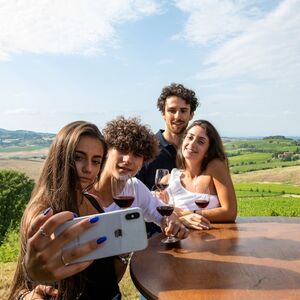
219 214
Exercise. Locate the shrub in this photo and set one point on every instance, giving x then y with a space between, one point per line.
15 190
9 249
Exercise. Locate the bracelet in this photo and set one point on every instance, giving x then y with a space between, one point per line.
125 259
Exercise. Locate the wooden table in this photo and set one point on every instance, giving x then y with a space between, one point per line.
254 258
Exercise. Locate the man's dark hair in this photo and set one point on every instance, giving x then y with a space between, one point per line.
129 135
175 89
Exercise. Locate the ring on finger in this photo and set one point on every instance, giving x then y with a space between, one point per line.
65 263
43 232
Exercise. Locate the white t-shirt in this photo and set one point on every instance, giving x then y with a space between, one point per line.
185 199
145 200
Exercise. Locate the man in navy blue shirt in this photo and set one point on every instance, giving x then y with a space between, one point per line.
177 105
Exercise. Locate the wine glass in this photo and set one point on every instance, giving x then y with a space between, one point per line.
160 181
122 189
202 199
166 210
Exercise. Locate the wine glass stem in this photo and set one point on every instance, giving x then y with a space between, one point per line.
167 222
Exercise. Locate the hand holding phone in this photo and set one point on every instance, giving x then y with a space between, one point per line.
125 231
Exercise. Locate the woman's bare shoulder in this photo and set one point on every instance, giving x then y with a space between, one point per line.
216 165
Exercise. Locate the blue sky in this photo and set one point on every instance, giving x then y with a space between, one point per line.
62 61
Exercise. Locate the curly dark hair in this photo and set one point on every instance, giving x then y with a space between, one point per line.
175 89
129 135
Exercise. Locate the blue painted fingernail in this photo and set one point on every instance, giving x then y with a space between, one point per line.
101 239
46 211
75 215
94 219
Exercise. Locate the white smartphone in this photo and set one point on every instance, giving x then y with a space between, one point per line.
125 231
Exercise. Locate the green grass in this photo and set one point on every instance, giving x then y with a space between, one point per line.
261 154
269 206
255 157
266 145
265 199
249 166
266 188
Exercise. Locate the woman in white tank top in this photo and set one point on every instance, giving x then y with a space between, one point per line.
202 172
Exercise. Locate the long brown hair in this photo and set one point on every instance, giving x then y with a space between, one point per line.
215 149
56 188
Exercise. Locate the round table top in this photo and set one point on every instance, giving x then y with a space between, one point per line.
255 258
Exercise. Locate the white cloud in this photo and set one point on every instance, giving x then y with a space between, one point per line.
65 27
20 111
255 46
214 21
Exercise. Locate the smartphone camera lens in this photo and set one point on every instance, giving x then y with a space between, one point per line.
132 216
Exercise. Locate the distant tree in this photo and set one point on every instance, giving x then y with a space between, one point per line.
276 137
15 190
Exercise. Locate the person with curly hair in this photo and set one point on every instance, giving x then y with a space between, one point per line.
130 144
177 105
75 165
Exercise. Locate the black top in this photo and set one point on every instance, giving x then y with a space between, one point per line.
101 280
100 277
166 159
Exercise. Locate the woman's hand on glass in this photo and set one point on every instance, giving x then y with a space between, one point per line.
45 260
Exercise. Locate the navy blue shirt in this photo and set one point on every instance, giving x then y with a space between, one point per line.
166 159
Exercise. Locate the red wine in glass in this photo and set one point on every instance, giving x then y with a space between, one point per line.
202 203
123 201
122 189
165 210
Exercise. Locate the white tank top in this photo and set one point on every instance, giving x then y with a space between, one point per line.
185 199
